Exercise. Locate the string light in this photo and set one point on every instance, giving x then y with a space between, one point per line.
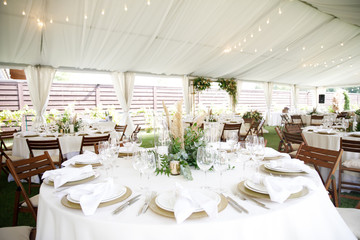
244 39
259 29
23 13
303 48
125 8
103 12
40 24
252 35
67 18
280 12
287 49
270 49
235 46
241 50
349 57
342 44
5 3
85 16
148 2
322 46
38 20
341 59
51 21
268 21
255 50
239 44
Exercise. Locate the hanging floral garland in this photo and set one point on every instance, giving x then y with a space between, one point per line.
201 84
229 85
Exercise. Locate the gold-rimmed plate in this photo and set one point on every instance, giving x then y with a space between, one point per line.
243 189
158 210
85 164
72 183
264 169
67 203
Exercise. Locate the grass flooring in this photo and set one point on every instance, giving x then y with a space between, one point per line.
7 189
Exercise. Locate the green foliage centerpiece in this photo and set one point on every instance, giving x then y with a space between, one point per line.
256 115
183 145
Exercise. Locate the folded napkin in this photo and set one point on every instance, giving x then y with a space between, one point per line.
91 194
63 175
330 130
86 158
28 133
186 202
272 153
290 164
280 189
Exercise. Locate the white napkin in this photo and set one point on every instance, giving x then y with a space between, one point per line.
87 157
330 130
290 164
91 194
272 153
280 189
63 175
187 202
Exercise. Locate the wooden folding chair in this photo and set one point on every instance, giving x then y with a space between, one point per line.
90 141
348 165
230 127
135 132
316 120
282 144
121 129
6 135
318 157
293 142
46 145
284 119
293 128
24 170
258 128
3 157
296 119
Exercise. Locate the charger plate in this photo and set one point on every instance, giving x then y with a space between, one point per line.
272 158
67 203
158 210
264 169
241 187
325 133
125 154
88 179
83 164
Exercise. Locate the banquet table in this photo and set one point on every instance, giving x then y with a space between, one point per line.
312 216
68 143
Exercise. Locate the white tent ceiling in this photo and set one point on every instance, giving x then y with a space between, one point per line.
278 41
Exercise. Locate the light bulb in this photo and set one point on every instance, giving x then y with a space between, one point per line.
148 2
244 39
268 21
85 17
349 57
304 48
270 50
255 50
40 24
125 8
259 29
280 12
241 50
287 49
341 44
321 46
103 12
67 18
38 20
23 13
5 3
252 35
239 44
51 21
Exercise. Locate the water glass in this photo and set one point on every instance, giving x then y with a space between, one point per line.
221 163
204 160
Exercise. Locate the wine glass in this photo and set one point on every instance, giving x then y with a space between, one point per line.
127 144
232 139
221 163
138 163
259 152
204 160
136 140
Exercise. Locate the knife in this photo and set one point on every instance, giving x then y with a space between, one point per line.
242 197
126 204
236 205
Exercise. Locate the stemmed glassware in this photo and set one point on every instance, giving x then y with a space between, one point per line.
221 163
136 140
205 160
145 162
128 145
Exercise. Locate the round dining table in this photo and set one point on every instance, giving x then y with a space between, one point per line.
311 216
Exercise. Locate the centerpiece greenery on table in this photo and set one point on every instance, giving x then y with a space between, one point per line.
201 84
183 145
256 115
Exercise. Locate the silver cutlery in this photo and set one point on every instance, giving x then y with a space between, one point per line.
145 207
237 206
242 197
126 204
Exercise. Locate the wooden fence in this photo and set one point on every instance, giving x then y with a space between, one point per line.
15 95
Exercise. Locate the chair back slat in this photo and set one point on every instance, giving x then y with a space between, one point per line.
51 144
121 129
293 128
296 138
138 128
350 145
90 141
230 127
317 119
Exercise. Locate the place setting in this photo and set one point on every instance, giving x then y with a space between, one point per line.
81 160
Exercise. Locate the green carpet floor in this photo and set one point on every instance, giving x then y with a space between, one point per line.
7 189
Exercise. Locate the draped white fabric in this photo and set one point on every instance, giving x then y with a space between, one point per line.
295 97
268 89
39 82
248 39
124 86
187 99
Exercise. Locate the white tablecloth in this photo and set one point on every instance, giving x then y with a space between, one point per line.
275 119
310 217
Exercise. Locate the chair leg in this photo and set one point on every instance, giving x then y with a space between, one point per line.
16 208
340 182
335 195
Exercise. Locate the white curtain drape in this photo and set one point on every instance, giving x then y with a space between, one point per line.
124 86
187 99
295 97
268 89
39 81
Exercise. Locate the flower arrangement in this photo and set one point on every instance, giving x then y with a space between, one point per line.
201 84
183 145
256 115
230 86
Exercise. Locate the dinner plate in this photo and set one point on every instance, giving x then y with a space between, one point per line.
166 200
118 192
256 187
281 169
78 177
